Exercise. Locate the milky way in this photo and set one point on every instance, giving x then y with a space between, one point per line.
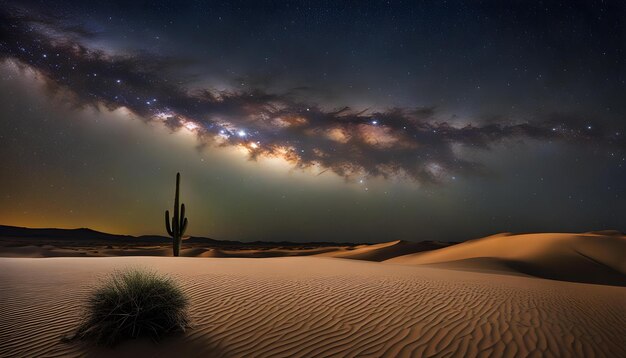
350 121
412 143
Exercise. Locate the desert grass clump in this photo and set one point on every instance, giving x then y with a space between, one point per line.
134 303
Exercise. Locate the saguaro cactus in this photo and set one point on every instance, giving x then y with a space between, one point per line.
179 221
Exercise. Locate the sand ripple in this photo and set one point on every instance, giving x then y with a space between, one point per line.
319 307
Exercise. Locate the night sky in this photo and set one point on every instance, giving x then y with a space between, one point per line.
315 121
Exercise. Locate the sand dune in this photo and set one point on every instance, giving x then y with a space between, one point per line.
593 257
256 253
317 307
384 251
597 257
41 251
376 252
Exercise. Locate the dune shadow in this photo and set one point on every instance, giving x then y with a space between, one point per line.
594 272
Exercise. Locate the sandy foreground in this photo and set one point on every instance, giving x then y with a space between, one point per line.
321 306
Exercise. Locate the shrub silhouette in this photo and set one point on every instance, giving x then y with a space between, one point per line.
134 303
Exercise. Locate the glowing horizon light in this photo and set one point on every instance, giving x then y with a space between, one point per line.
254 145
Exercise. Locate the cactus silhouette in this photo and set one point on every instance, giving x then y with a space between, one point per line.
179 221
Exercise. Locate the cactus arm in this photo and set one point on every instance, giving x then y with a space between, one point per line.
182 217
167 223
184 227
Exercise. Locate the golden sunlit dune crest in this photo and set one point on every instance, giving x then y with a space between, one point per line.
384 251
594 257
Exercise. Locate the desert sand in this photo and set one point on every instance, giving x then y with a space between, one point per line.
595 257
384 251
309 306
41 251
480 298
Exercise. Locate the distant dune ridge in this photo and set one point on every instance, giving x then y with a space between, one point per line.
76 236
594 257
50 242
384 251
